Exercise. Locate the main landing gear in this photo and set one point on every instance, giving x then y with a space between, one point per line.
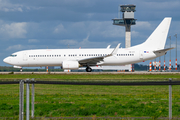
88 69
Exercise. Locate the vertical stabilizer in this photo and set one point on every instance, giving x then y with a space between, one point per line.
157 39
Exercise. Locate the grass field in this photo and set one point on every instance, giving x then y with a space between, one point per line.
91 76
76 100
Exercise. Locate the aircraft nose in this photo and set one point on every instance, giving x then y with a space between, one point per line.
6 60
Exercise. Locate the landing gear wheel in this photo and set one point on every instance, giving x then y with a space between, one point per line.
88 69
20 69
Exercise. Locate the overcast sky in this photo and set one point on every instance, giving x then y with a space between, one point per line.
39 24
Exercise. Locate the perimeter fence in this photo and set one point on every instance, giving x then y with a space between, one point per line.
135 100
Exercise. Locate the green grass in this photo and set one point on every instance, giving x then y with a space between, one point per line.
66 100
91 100
91 76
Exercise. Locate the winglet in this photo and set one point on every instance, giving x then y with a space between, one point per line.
108 46
114 52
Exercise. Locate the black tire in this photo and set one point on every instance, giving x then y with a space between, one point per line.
88 69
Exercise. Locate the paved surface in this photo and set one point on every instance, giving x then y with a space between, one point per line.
141 72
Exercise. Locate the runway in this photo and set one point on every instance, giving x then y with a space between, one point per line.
137 72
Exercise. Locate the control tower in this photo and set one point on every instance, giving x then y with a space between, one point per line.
127 20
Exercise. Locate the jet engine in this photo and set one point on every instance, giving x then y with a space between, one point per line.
70 65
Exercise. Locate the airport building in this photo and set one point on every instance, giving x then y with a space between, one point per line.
127 20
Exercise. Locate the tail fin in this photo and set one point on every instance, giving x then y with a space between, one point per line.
157 39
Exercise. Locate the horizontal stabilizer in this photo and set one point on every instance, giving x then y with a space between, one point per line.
163 50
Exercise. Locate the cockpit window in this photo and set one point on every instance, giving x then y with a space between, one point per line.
13 55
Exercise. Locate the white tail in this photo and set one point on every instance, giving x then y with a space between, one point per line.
157 39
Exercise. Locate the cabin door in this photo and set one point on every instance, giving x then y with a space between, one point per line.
141 54
25 57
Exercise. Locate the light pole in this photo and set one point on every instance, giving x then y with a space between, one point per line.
170 54
176 52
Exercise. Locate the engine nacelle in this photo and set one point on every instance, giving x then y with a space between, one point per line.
70 65
17 66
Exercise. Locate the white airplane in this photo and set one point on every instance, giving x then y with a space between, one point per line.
70 59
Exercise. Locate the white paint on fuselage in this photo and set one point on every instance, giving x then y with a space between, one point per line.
41 57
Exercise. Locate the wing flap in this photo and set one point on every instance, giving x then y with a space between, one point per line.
91 61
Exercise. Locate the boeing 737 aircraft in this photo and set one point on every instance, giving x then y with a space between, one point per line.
74 58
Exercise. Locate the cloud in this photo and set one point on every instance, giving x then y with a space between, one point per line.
77 30
33 41
75 43
59 29
113 31
104 29
6 6
89 44
13 30
68 42
15 47
162 4
90 15
142 25
135 34
85 43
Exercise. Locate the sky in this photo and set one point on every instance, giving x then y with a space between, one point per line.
56 24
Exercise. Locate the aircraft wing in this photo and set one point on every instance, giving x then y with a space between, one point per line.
163 50
92 61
